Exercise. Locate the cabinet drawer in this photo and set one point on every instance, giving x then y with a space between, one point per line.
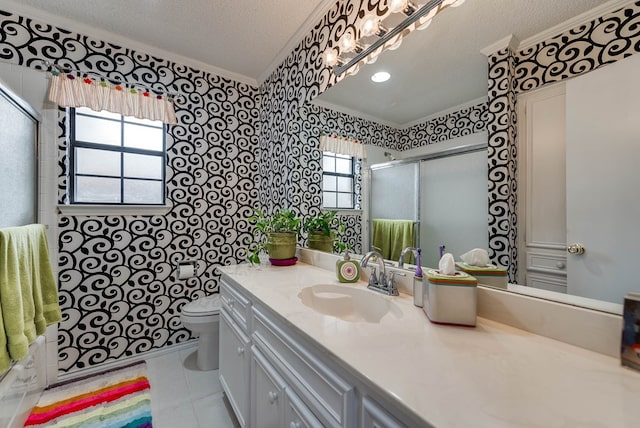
236 304
332 398
374 415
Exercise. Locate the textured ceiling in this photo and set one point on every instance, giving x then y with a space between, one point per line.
243 37
442 66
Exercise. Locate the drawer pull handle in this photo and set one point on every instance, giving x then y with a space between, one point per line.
576 249
560 265
231 302
295 424
273 397
240 350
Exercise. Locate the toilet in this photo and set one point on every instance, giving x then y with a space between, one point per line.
202 317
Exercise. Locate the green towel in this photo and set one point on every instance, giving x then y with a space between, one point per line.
393 236
28 290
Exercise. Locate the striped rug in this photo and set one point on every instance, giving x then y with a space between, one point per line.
120 398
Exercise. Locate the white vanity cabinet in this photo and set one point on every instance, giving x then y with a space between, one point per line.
276 377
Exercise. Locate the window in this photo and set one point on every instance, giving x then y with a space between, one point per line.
116 159
337 181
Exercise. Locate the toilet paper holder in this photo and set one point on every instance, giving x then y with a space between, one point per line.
186 269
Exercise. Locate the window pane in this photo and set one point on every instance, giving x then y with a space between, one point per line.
142 192
95 130
97 162
343 166
328 199
142 166
143 137
329 183
345 200
97 189
328 164
103 113
345 184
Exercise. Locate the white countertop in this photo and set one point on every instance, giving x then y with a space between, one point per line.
492 375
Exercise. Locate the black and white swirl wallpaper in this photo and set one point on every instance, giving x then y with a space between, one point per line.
118 288
236 146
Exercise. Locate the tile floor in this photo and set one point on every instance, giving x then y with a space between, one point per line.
185 397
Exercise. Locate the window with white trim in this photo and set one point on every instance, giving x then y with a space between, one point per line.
338 180
116 160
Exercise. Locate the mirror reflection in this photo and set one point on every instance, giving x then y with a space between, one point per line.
573 191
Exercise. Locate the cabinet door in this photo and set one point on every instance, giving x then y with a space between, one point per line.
234 366
267 393
297 415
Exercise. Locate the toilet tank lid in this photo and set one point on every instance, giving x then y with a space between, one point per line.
203 305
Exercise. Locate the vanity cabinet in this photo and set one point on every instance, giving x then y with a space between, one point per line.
275 377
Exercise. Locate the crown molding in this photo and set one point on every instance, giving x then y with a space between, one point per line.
107 36
509 41
587 16
311 21
444 112
341 109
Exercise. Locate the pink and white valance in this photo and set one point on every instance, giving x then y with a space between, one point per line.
342 146
68 90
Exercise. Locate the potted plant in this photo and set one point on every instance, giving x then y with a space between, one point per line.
276 234
322 232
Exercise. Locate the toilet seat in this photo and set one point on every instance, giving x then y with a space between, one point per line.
202 307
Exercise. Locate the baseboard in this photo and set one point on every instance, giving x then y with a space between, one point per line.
122 362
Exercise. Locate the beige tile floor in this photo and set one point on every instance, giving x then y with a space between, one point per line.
185 397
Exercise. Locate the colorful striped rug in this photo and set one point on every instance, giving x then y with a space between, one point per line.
119 398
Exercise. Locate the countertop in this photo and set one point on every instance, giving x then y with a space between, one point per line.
492 375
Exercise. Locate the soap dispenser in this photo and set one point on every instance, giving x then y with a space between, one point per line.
348 270
418 289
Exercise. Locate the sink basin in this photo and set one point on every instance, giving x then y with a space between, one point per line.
348 303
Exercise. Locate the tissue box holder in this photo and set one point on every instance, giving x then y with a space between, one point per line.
450 299
493 276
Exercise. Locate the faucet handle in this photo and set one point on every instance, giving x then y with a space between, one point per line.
373 278
391 284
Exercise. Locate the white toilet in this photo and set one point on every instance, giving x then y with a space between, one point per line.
202 318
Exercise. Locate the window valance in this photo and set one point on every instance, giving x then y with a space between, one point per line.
342 146
70 90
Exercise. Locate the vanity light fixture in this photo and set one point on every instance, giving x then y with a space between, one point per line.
418 18
380 76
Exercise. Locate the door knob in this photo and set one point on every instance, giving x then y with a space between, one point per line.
576 249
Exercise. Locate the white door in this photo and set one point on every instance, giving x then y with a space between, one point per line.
603 180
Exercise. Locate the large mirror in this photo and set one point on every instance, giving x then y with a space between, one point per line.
442 69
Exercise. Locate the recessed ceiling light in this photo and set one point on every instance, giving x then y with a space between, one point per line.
380 76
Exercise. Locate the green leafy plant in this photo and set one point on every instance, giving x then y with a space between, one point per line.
282 221
328 225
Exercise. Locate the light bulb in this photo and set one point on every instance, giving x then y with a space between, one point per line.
452 3
330 57
370 25
396 6
347 42
424 25
396 45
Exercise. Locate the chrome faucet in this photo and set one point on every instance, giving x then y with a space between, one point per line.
404 253
380 282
